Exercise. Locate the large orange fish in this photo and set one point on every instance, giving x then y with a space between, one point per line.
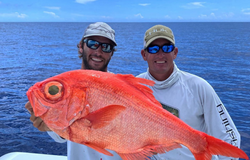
117 112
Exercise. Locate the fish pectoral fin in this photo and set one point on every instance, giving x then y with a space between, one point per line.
149 151
103 116
99 149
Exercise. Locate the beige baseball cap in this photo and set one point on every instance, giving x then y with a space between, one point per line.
158 31
100 29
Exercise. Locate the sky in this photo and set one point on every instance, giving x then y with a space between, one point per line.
124 11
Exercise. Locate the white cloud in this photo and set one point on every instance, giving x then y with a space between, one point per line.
106 17
84 1
203 16
213 16
199 4
167 16
179 17
209 16
53 8
15 14
226 15
21 15
230 14
145 4
194 5
246 11
51 13
139 15
76 14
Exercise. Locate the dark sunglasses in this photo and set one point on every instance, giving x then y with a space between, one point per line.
166 48
95 44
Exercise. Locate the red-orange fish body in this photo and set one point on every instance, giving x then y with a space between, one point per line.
108 111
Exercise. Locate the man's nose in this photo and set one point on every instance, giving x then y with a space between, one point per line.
160 53
99 50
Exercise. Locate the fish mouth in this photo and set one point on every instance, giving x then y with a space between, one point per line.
38 107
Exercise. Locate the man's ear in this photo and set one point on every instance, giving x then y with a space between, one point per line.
175 52
80 47
143 54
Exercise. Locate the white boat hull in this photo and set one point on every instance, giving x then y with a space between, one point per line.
30 156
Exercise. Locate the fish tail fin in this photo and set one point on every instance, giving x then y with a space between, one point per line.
216 146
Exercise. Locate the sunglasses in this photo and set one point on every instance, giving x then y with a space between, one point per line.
92 44
166 48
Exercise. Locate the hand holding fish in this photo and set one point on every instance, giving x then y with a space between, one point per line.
112 111
37 121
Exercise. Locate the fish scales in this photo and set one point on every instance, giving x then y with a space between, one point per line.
117 112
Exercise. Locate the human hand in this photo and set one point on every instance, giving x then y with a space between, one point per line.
37 121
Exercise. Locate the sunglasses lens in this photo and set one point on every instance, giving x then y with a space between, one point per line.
153 49
95 44
168 48
106 48
92 44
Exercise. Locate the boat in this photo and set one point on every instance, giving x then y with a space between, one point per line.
31 156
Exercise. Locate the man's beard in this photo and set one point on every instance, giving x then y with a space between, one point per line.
87 66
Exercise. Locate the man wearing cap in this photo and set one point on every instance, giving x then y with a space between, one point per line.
187 96
96 49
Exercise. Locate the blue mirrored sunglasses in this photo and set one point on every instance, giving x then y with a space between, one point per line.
166 48
93 44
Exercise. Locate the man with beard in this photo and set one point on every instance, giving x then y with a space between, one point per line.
96 49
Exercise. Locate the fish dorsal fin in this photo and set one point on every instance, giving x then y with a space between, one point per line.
103 116
140 84
136 81
149 151
101 150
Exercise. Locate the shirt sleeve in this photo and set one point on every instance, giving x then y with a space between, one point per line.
218 122
56 137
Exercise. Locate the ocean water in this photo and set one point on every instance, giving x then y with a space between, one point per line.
31 52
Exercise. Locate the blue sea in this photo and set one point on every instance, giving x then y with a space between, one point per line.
31 52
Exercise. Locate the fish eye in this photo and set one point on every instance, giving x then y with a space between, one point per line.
53 90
